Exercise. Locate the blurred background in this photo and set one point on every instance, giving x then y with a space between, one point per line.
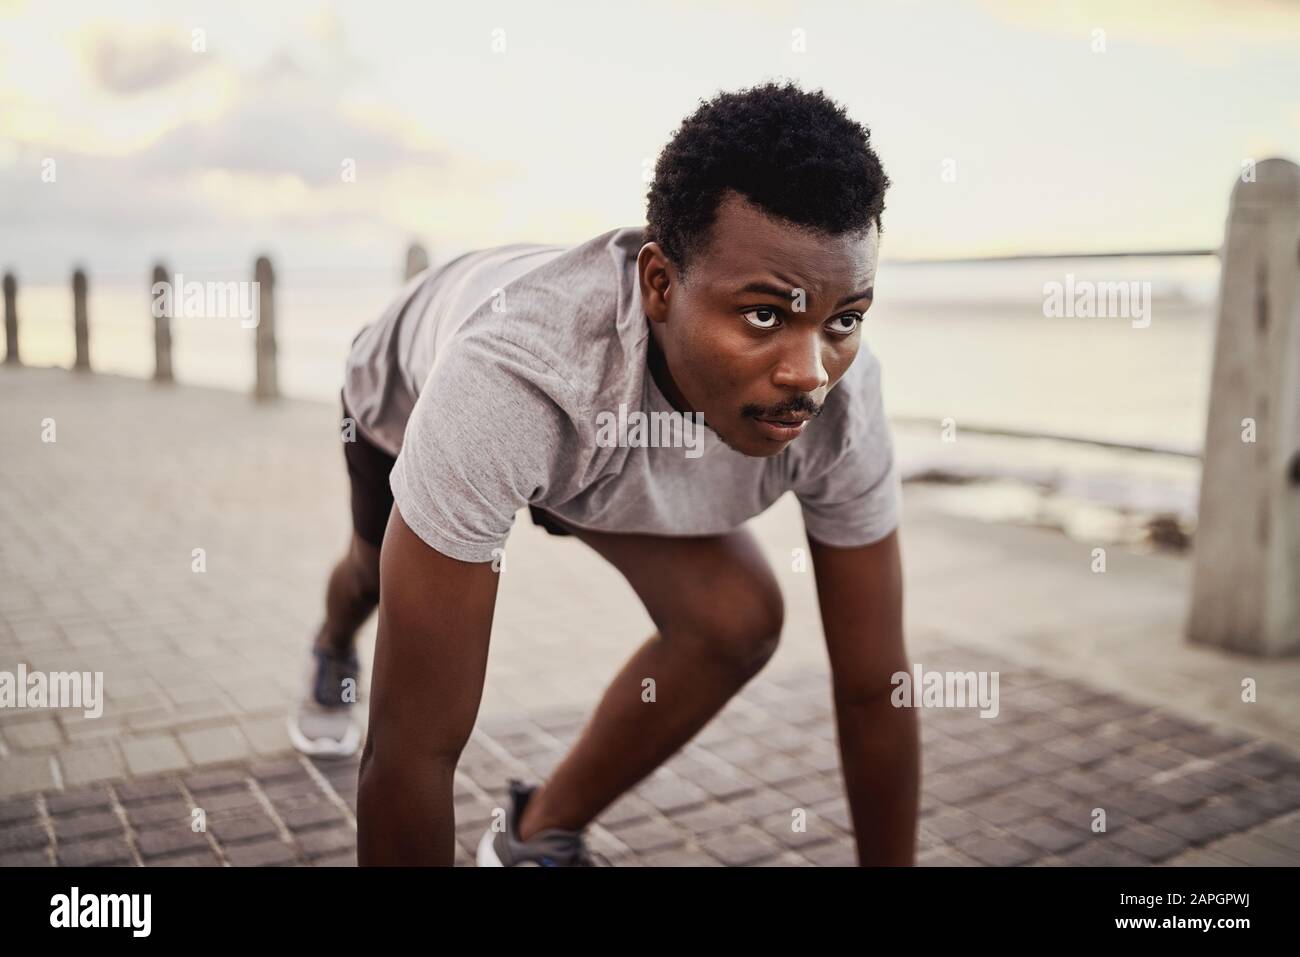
203 135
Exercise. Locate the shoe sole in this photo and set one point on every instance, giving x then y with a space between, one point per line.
487 854
324 747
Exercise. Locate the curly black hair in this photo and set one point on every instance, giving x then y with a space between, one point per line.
794 154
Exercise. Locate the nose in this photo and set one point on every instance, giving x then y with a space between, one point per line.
800 367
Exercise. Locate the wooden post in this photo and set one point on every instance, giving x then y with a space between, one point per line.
417 260
80 323
267 385
1246 561
162 326
11 320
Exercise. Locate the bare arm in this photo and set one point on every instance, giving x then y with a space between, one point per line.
860 591
435 616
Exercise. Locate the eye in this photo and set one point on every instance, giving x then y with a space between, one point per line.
766 317
852 318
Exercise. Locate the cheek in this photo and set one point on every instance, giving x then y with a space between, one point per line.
730 372
837 358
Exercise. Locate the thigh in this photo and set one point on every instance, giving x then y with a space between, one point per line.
714 586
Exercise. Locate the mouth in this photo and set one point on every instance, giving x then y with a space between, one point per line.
783 429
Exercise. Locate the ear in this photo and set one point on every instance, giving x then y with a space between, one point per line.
658 279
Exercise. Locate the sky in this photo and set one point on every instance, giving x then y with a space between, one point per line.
125 135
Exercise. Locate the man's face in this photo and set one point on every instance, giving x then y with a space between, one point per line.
766 324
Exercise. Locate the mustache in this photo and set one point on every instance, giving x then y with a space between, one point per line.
799 404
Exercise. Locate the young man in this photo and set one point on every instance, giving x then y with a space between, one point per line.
485 388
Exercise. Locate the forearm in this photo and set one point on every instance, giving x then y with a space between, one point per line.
880 754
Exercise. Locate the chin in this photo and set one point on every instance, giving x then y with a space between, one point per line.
753 447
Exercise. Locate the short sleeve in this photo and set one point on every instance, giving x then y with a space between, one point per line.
483 440
855 498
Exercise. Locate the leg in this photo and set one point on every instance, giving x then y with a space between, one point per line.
351 595
719 613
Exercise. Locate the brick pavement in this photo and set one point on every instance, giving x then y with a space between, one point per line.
1101 707
1019 789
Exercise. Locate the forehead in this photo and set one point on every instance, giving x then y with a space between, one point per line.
745 242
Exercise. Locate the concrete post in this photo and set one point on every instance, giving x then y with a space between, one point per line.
268 386
80 321
11 320
162 329
1246 560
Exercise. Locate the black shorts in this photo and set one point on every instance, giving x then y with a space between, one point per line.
372 496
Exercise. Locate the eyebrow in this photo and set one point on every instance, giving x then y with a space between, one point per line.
779 292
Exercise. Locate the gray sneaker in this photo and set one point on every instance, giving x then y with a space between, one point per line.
552 847
325 723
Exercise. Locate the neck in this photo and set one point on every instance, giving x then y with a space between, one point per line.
663 377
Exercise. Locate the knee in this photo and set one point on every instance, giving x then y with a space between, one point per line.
740 628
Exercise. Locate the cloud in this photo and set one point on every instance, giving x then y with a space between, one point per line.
136 65
284 122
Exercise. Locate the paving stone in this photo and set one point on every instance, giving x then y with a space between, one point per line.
230 802
265 853
156 813
311 815
1102 852
1002 809
1197 826
42 733
1049 835
148 754
95 853
326 841
77 827
215 745
1138 805
831 854
237 829
81 799
679 857
22 837
18 809
350 860
996 852
1257 853
671 794
1077 750
626 810
1284 833
815 830
740 847
650 836
1149 843
707 819
277 768
190 859
947 826
955 789
169 840
724 785
944 857
28 858
147 789
218 779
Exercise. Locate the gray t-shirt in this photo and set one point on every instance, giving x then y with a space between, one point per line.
492 379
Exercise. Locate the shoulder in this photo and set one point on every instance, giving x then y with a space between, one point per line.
562 323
